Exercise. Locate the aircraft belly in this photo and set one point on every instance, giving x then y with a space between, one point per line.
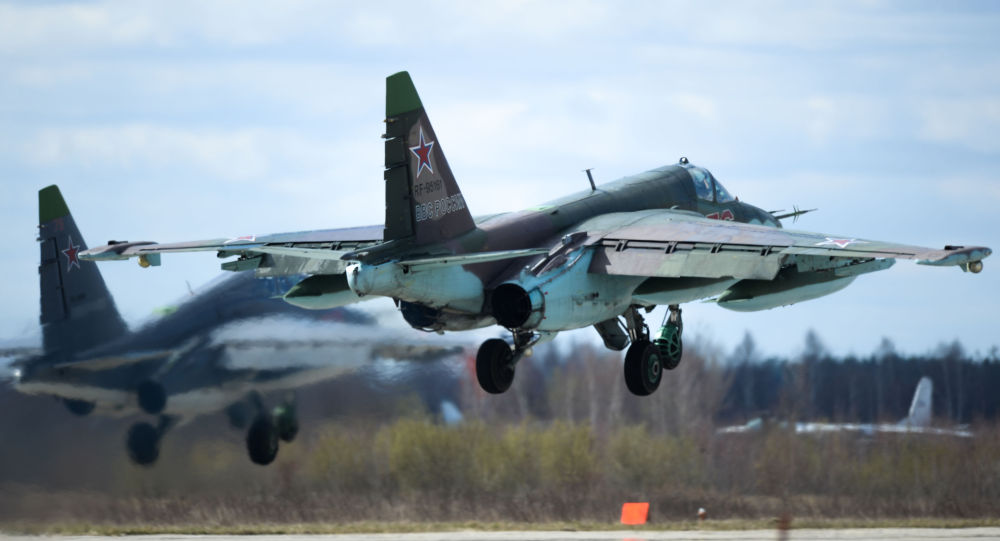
207 399
576 298
786 297
594 299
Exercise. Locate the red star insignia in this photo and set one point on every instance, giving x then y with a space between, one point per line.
423 153
72 255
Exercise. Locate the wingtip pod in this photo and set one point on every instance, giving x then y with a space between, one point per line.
51 204
400 95
969 258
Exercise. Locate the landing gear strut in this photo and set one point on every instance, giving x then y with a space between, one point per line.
143 441
152 397
496 360
646 359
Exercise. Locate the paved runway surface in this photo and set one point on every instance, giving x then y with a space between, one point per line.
918 534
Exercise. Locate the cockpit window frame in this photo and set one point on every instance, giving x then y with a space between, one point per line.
716 187
719 188
701 178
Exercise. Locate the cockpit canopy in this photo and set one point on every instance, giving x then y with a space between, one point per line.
706 186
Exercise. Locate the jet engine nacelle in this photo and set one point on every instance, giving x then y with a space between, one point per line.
560 294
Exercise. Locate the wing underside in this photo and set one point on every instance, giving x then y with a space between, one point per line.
307 252
678 244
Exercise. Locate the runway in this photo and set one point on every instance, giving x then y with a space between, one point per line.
920 534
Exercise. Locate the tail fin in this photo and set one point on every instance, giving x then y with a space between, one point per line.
422 199
78 312
920 408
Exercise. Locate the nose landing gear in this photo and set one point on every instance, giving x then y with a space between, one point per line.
646 359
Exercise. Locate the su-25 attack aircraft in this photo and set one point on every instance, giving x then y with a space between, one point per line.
205 356
600 257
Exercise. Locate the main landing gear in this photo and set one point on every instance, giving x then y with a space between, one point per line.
268 427
496 359
646 359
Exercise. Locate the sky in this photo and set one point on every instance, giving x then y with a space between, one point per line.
184 120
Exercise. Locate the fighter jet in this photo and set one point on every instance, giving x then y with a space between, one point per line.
917 421
598 258
206 354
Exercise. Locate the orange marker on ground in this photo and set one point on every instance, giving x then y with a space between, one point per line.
635 513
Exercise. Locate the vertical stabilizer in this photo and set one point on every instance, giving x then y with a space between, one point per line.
920 408
77 310
422 199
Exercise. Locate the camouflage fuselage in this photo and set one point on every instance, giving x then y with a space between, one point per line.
460 296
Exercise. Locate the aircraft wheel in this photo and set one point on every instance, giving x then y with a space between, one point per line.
152 397
286 422
262 440
643 368
495 366
143 443
78 407
670 345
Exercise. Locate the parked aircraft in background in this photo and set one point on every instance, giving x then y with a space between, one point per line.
918 421
599 257
209 353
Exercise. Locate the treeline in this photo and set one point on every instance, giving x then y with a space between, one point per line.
878 387
711 387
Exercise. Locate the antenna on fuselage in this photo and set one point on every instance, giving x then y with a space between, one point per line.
590 177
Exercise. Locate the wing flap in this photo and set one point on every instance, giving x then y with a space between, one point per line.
676 259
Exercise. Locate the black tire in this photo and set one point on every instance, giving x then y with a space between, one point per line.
79 408
643 368
262 440
152 397
494 366
143 444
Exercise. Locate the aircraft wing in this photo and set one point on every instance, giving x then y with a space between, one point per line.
675 244
289 252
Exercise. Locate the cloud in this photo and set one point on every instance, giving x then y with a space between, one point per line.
970 122
243 155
